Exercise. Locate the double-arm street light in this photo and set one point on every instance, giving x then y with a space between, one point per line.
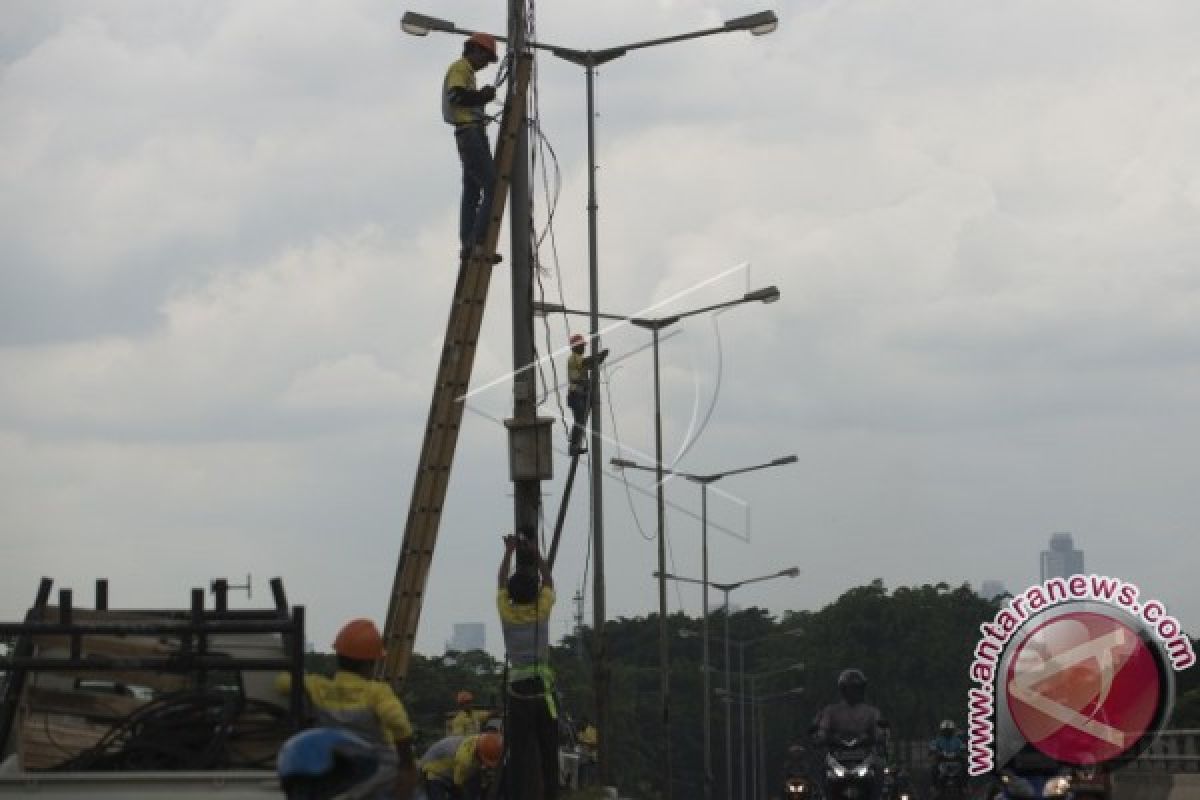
757 24
727 588
768 294
705 481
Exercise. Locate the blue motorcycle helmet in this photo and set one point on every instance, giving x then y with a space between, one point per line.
324 763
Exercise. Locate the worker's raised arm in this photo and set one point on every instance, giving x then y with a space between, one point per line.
510 544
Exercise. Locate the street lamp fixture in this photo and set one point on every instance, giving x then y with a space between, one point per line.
758 24
768 294
415 24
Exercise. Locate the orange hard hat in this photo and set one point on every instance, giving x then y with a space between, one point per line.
486 41
465 698
359 639
490 748
577 340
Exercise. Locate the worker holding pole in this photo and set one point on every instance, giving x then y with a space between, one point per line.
531 730
579 387
463 106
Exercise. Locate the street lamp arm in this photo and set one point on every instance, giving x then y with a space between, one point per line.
790 572
779 462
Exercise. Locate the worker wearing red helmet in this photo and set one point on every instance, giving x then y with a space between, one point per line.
352 701
463 107
579 386
451 767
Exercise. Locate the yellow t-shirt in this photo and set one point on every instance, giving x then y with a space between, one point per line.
460 75
369 708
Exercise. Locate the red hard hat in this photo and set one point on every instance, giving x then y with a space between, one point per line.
486 41
490 748
359 639
465 698
577 340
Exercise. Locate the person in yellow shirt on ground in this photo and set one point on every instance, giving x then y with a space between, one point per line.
463 107
452 767
466 721
531 728
589 746
351 701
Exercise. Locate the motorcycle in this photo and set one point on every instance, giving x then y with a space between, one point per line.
895 784
851 770
949 775
799 787
1033 786
1091 783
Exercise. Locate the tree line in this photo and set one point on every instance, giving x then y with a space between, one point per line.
915 645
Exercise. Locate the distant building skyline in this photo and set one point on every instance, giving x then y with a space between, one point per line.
1062 559
991 588
468 636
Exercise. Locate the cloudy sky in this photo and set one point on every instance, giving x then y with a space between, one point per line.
227 247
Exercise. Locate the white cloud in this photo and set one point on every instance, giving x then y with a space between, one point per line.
228 246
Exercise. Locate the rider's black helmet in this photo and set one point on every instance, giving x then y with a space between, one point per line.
852 685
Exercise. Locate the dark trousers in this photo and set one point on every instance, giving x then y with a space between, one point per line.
577 401
478 184
532 738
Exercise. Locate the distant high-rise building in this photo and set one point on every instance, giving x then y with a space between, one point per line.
991 589
1062 559
468 636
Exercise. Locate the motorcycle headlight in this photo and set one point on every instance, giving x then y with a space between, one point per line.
861 771
1057 786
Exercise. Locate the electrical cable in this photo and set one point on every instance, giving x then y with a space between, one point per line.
192 730
624 478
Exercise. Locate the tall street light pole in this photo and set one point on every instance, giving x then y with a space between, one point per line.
757 24
727 588
705 481
769 294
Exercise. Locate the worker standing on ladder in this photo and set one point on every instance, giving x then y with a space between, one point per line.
579 385
463 107
531 730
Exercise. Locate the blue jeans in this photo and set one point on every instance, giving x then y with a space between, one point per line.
479 183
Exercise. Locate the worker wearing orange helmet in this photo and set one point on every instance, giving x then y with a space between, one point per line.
452 767
579 387
465 722
351 701
463 107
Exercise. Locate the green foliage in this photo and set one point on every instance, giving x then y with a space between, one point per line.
915 644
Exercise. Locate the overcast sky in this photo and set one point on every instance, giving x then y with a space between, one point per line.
228 241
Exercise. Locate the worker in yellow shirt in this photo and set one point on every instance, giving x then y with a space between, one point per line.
589 749
463 106
451 767
466 721
579 386
531 728
351 701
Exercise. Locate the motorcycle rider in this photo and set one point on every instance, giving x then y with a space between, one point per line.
946 745
852 718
